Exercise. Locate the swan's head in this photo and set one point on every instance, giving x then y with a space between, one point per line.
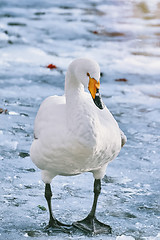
87 72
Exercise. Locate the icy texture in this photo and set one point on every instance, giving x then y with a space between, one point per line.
123 36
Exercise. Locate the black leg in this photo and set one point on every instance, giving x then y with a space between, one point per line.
90 224
97 191
53 222
48 196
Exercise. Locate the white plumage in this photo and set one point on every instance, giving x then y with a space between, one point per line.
72 134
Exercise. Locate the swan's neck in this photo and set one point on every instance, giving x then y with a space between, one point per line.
73 90
80 118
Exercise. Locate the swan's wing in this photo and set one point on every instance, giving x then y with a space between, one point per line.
50 113
123 138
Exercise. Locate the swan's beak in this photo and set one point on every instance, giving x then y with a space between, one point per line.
93 87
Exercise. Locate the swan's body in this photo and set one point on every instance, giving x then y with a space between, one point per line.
72 134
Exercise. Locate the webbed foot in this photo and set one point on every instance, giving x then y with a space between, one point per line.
92 226
58 226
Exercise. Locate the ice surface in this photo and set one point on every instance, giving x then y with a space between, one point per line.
123 237
123 36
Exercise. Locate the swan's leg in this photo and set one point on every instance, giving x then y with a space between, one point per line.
53 222
90 224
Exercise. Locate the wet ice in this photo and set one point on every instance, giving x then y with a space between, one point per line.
124 38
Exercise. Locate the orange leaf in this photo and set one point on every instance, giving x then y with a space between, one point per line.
51 66
95 32
5 111
121 80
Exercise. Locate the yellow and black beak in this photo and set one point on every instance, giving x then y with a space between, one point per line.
93 87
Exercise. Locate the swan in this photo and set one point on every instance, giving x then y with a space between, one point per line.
76 133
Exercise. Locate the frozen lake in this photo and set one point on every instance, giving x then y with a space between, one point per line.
124 38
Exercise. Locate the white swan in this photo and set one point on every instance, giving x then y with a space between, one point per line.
76 133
